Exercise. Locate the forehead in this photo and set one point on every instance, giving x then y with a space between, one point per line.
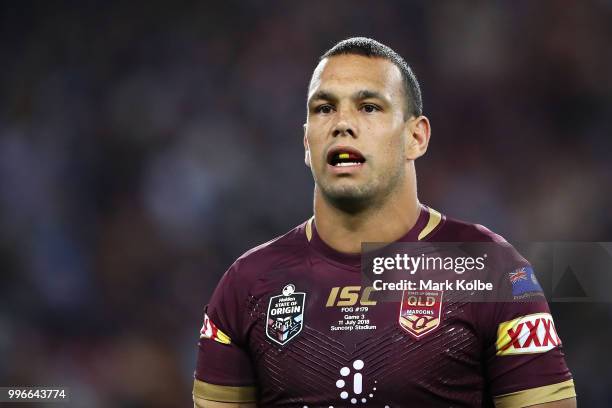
357 72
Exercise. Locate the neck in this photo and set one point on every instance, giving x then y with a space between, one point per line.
346 230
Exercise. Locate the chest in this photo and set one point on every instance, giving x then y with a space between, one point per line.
316 342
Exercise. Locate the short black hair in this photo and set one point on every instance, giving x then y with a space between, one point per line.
372 48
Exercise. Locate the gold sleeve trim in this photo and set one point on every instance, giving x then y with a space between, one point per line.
534 396
308 229
223 393
434 219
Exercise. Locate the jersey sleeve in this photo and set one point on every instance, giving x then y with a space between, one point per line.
224 371
524 359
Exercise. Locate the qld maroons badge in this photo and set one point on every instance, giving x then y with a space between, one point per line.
420 312
285 317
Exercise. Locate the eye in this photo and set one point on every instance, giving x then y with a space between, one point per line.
370 108
325 109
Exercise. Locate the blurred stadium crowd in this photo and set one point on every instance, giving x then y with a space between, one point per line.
146 145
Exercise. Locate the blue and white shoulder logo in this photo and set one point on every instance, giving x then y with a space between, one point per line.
524 281
285 318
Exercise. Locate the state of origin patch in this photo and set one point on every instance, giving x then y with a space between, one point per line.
285 318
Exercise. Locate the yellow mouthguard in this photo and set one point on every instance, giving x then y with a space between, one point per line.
343 156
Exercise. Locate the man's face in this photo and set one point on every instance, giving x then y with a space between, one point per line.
355 132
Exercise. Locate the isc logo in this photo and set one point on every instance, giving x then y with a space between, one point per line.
349 296
533 333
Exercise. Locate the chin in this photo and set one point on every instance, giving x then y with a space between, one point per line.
343 190
349 197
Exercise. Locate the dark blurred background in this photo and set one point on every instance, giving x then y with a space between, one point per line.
144 146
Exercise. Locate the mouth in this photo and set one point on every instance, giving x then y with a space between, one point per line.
344 156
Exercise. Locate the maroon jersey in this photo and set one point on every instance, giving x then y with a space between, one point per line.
291 324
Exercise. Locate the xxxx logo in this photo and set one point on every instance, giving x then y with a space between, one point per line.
529 334
420 311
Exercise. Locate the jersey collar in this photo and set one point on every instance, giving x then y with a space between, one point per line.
428 221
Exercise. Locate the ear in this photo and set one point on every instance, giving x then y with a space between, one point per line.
306 148
419 132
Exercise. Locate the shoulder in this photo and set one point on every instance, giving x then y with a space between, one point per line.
285 250
499 250
454 230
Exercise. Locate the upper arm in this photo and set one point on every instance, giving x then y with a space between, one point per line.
224 373
525 362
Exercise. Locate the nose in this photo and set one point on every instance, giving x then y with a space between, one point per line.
344 126
343 129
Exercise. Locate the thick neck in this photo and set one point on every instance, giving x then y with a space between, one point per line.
387 222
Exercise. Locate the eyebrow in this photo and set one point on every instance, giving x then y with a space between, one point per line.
367 94
324 95
362 94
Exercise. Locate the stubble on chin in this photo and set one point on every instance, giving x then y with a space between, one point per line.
349 198
353 197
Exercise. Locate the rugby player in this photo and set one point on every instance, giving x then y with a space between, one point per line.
291 324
